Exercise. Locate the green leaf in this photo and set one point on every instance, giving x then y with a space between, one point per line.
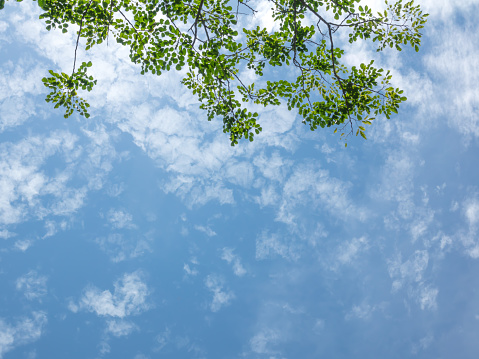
316 82
43 4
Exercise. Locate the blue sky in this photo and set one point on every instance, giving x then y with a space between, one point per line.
141 233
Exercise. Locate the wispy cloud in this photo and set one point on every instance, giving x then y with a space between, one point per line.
128 297
427 297
264 341
23 245
120 219
349 251
272 244
206 230
312 186
362 311
5 234
23 182
274 167
412 275
119 247
221 297
33 285
470 209
163 339
234 260
120 328
454 66
20 82
23 331
412 270
29 190
190 271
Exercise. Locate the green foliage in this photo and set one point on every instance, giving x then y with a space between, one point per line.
64 89
203 37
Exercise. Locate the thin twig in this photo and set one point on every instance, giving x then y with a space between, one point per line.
134 28
78 37
196 22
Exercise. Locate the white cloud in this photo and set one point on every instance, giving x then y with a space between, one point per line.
28 190
23 245
311 186
268 196
115 189
263 18
397 182
427 298
273 167
3 27
471 211
411 274
21 179
104 347
362 311
5 234
444 9
163 339
128 298
190 272
411 270
120 219
423 344
196 191
269 245
292 310
348 251
53 227
470 238
34 286
221 297
100 155
421 224
239 173
262 342
474 252
19 82
206 230
119 248
163 118
234 260
445 88
195 152
24 331
120 328
454 65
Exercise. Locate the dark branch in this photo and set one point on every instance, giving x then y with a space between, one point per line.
78 37
198 14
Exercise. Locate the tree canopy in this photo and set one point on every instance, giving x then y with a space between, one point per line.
208 39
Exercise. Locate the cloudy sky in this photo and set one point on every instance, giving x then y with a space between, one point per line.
141 233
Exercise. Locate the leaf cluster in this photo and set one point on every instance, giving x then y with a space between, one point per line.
64 89
204 38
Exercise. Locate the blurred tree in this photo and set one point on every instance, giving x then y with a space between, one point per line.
207 38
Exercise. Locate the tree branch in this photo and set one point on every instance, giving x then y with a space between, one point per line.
78 37
196 22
